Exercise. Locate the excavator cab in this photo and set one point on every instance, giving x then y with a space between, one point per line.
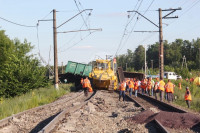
104 74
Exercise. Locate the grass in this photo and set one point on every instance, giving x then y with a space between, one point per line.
32 99
195 92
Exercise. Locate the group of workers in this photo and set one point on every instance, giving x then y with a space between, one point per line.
86 85
151 88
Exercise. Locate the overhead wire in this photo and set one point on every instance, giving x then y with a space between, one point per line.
85 13
136 22
74 34
37 28
77 42
16 23
125 29
81 15
133 26
38 41
190 7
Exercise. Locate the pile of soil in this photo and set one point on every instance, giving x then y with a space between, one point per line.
168 119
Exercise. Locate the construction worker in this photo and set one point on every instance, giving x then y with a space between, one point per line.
156 91
143 86
161 88
188 97
86 85
152 86
179 86
139 85
131 87
122 88
136 87
169 87
149 85
127 86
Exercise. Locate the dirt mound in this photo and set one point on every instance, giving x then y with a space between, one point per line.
168 119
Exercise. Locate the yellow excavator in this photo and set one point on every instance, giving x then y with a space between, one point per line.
104 74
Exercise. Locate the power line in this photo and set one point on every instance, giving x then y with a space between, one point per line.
47 15
81 15
124 33
76 42
37 28
190 8
135 23
74 34
38 41
16 23
149 37
85 13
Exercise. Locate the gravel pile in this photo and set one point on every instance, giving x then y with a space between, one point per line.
103 114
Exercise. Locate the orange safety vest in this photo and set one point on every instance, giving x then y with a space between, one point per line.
149 85
143 85
188 96
90 89
86 83
136 85
179 85
161 85
130 84
122 87
169 87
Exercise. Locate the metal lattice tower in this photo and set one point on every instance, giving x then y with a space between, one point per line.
184 63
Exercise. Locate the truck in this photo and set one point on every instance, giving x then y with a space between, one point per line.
172 75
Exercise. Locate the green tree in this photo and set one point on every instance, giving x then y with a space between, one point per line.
19 71
139 57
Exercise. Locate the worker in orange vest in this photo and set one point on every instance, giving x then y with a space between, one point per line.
161 88
188 97
86 86
179 86
136 87
122 88
131 87
143 86
169 88
149 85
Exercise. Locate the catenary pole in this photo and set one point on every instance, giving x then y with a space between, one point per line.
55 50
161 49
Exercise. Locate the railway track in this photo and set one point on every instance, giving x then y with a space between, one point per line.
58 119
147 102
103 113
33 120
153 109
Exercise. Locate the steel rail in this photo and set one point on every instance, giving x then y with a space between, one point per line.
158 124
51 126
158 103
4 122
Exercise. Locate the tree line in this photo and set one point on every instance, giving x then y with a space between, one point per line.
20 71
173 56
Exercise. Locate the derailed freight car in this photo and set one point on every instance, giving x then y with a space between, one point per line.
123 74
74 71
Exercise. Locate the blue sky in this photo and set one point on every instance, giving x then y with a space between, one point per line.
110 15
